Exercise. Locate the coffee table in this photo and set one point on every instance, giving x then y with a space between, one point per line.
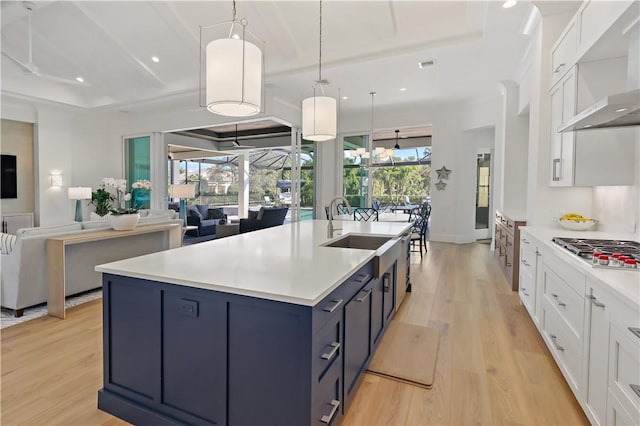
227 230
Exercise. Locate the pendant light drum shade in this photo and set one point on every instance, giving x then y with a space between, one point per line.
319 118
234 77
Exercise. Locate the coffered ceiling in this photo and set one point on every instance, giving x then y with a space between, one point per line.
367 45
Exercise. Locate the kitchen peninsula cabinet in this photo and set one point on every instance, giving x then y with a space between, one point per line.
507 247
240 347
193 356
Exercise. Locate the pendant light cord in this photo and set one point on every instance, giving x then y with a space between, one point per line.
234 10
320 49
373 94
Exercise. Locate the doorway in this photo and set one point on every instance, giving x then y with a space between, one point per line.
483 195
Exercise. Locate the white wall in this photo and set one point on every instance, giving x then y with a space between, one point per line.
83 147
512 140
17 139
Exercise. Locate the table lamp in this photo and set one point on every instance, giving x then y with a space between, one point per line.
183 191
79 193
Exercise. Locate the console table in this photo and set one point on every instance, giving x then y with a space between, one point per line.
56 257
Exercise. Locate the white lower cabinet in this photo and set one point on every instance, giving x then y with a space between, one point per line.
598 306
592 333
624 359
617 415
530 253
562 319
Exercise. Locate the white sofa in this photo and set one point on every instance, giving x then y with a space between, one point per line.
24 269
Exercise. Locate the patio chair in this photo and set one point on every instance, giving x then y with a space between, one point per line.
364 214
419 228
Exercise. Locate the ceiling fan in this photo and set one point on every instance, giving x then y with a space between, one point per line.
29 68
236 144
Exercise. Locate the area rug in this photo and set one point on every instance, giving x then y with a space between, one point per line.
407 353
7 318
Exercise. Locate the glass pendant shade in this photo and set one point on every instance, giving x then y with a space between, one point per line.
234 77
319 118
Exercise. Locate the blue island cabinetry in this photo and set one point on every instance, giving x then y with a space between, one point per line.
180 355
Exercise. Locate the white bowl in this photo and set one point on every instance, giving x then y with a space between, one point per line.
578 225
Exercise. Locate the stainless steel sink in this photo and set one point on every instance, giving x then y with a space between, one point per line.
387 249
366 242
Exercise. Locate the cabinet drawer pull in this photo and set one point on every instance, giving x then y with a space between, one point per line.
386 282
334 350
334 409
334 306
524 262
636 389
560 303
538 253
553 339
508 264
524 291
363 298
559 67
635 331
362 278
524 240
594 300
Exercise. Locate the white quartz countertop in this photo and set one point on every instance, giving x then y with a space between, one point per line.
285 263
624 283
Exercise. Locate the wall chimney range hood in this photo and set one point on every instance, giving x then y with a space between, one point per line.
622 109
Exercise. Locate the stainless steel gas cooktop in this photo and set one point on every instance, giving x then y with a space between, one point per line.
611 254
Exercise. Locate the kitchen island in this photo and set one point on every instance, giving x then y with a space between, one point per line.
272 327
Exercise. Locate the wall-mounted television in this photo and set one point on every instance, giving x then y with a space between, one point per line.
8 176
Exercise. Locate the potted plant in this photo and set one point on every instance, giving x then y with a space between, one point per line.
102 200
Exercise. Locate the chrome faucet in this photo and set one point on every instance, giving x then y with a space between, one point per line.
330 226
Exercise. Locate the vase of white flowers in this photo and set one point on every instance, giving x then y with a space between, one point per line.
121 217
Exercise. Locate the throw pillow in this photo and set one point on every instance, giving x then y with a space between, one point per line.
253 214
203 209
7 241
260 213
194 212
216 213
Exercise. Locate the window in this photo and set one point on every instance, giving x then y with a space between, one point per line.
137 159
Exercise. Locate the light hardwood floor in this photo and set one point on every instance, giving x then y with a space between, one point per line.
492 368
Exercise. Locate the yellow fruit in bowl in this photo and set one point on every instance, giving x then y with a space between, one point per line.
575 217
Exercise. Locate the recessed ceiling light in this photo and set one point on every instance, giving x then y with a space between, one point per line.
345 98
622 109
509 3
403 89
587 126
155 59
80 79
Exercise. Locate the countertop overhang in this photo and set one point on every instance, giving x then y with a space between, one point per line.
285 263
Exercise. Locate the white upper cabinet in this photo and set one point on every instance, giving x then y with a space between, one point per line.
563 53
589 62
563 106
594 19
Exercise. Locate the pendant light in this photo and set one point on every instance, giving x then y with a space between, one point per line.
234 73
396 146
319 118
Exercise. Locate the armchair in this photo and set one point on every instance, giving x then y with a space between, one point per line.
204 218
266 217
